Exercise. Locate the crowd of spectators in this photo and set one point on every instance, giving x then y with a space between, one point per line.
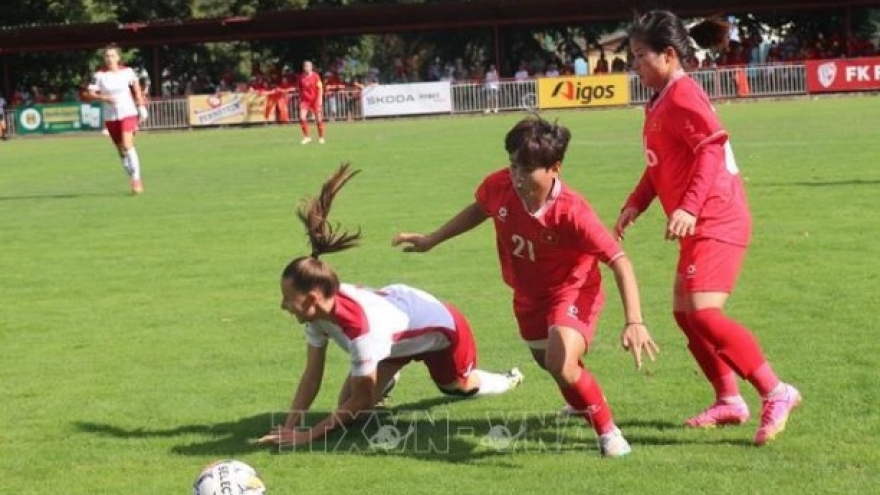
344 75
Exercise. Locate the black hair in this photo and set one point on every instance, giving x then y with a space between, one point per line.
661 29
536 143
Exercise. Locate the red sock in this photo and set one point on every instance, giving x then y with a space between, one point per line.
715 370
305 127
321 129
737 346
586 395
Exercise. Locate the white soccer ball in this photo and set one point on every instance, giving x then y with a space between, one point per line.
228 477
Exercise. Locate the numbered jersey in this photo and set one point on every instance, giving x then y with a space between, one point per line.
690 163
392 322
117 84
551 252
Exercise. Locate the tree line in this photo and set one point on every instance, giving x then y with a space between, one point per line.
64 72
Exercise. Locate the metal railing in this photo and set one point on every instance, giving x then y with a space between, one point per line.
738 82
470 98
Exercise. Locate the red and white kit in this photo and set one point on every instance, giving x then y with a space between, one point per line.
398 323
121 115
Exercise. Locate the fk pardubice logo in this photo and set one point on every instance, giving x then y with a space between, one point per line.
827 74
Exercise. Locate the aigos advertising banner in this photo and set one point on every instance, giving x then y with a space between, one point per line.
583 91
407 99
855 74
59 117
229 108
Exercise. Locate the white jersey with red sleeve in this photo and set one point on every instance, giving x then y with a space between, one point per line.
117 84
373 325
691 165
551 252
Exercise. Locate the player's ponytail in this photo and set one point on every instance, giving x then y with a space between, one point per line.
309 272
313 212
711 33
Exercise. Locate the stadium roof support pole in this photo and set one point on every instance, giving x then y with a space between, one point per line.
7 87
156 73
848 31
497 31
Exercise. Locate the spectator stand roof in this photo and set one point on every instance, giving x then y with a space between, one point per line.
363 19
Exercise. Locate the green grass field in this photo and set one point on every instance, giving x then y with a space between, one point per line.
141 337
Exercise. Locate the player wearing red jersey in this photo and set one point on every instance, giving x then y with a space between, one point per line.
692 171
381 330
550 242
118 88
311 96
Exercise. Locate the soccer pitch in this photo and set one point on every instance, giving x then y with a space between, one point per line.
142 336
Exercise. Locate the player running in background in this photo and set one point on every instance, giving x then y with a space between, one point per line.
381 330
118 88
2 117
692 170
549 243
311 97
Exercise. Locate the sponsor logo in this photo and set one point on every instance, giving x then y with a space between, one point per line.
390 99
215 101
862 73
30 119
827 74
583 93
651 158
234 107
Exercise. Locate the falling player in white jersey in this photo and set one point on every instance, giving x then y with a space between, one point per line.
118 88
382 330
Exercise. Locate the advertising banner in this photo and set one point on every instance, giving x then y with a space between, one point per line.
58 117
855 74
407 99
583 91
229 108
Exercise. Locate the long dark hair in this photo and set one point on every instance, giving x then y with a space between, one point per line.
308 272
660 29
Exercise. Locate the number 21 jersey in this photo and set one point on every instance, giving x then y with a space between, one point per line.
549 253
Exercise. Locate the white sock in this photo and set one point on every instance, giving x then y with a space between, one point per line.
125 166
134 163
732 399
492 383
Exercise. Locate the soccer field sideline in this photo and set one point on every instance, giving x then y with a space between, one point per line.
145 341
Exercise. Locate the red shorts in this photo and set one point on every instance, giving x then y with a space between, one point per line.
309 106
454 364
709 265
117 127
579 311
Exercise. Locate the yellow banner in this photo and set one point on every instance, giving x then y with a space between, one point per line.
229 108
584 91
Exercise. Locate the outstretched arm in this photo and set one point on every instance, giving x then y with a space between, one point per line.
359 400
470 217
306 391
635 337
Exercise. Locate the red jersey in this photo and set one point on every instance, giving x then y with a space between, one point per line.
691 164
310 88
552 252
